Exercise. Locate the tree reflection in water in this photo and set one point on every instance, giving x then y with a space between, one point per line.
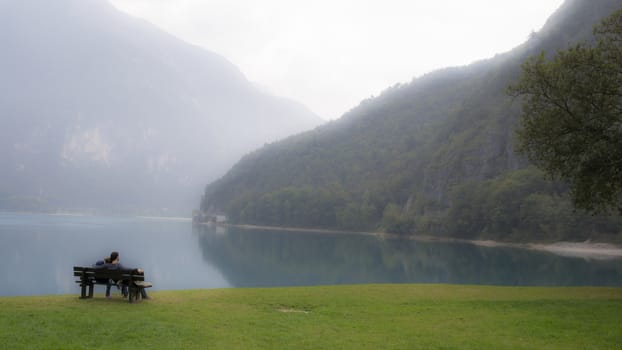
262 258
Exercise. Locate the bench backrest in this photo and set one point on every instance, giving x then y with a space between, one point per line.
104 273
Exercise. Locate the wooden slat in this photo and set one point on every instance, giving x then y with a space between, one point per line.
103 273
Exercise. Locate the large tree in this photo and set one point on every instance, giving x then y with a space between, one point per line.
572 116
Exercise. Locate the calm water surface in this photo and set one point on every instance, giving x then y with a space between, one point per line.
38 253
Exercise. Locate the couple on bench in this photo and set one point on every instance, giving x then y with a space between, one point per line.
112 263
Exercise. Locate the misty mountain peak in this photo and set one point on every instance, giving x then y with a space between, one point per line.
118 110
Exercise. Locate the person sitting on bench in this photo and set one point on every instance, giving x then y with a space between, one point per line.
104 264
113 263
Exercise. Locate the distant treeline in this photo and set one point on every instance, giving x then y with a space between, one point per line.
519 206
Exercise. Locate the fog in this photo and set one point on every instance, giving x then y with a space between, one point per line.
332 54
102 111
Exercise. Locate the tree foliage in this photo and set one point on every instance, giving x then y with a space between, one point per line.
572 117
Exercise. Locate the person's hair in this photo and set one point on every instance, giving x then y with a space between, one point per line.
114 256
107 260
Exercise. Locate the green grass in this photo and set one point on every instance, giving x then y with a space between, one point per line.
340 317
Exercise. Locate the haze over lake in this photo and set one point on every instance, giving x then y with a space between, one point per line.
39 252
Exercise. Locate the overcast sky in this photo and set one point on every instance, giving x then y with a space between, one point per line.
331 54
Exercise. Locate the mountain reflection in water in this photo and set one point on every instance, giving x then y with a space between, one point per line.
255 258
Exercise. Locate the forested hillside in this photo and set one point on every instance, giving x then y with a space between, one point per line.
435 156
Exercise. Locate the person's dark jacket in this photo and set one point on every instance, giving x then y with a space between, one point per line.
101 264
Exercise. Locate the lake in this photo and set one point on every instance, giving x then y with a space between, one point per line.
39 250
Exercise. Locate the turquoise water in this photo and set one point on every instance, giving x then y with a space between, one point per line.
39 251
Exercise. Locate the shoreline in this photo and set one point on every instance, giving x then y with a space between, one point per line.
585 250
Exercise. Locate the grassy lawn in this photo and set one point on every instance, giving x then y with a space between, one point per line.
339 317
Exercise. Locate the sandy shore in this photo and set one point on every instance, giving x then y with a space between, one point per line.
587 250
584 250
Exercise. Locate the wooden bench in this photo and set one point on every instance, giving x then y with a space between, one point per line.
90 276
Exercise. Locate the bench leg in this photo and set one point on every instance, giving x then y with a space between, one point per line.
82 290
135 294
83 287
131 295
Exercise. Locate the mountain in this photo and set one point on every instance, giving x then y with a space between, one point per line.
435 156
102 110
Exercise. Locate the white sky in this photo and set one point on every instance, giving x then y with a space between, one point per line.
331 54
